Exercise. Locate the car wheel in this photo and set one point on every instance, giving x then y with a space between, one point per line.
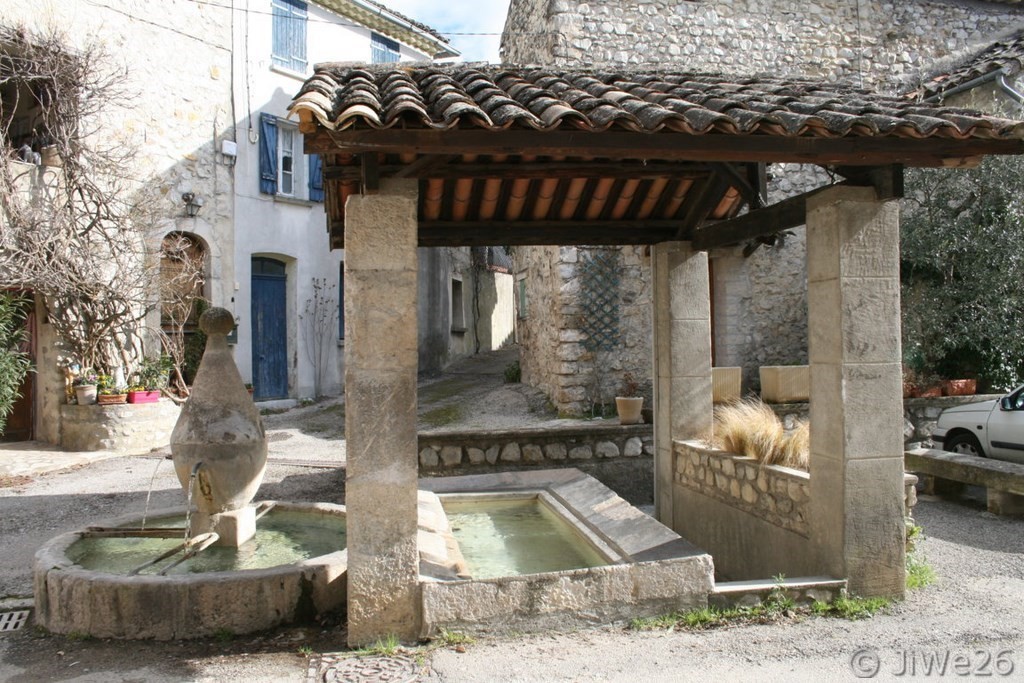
966 444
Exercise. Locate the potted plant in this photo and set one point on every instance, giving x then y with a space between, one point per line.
628 404
959 387
85 387
150 379
107 392
249 387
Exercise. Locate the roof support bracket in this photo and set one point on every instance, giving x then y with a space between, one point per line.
370 172
887 180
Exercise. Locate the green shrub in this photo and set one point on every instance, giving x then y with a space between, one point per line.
15 361
513 373
961 272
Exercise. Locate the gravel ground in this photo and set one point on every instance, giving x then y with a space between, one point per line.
973 610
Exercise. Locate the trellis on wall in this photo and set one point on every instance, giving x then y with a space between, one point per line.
600 274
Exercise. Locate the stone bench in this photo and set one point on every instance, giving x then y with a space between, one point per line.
949 472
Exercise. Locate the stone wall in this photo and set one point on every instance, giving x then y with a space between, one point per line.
760 313
618 456
879 42
559 358
778 495
546 360
172 142
131 428
754 519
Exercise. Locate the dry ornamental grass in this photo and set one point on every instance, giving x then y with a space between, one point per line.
752 429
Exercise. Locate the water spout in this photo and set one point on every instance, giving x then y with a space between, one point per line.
188 503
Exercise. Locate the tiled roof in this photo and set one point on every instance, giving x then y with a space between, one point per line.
1006 55
396 25
421 26
343 96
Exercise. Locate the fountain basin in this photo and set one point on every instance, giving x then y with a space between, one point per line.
110 604
645 569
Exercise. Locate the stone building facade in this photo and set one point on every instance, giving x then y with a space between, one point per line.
196 126
171 118
759 298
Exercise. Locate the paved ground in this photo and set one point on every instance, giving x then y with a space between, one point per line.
975 609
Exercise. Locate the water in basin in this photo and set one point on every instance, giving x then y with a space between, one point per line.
282 537
514 537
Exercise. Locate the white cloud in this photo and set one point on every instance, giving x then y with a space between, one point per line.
450 17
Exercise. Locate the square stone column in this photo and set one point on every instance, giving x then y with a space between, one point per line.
856 462
682 360
380 413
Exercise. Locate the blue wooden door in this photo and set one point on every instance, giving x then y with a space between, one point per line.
269 329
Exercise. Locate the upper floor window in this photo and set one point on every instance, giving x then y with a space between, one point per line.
284 169
383 50
289 34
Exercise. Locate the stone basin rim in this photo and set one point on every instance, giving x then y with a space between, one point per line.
53 554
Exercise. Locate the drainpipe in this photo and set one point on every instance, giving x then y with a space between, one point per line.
999 76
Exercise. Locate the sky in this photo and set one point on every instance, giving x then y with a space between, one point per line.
453 17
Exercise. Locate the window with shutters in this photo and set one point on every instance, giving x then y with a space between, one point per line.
285 170
383 50
289 34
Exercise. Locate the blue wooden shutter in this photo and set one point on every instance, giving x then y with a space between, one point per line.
383 50
289 34
316 179
268 154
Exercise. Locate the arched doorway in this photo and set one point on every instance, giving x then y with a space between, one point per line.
269 328
183 262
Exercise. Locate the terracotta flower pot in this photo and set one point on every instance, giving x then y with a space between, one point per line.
959 387
930 392
111 399
629 409
909 389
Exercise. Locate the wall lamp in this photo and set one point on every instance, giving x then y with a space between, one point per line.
192 204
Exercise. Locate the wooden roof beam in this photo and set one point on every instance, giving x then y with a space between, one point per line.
432 166
536 233
668 146
707 194
792 212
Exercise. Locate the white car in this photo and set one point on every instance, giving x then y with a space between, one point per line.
990 429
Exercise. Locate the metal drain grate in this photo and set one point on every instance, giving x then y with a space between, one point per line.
337 668
12 621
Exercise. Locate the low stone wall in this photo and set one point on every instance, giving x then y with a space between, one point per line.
919 414
754 519
778 495
125 428
618 456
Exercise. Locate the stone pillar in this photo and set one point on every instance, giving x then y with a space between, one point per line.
682 360
856 462
380 414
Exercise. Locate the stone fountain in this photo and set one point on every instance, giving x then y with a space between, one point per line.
194 573
222 564
218 445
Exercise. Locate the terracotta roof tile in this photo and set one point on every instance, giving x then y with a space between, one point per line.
341 96
1006 55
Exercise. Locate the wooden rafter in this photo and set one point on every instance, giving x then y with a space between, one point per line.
792 212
